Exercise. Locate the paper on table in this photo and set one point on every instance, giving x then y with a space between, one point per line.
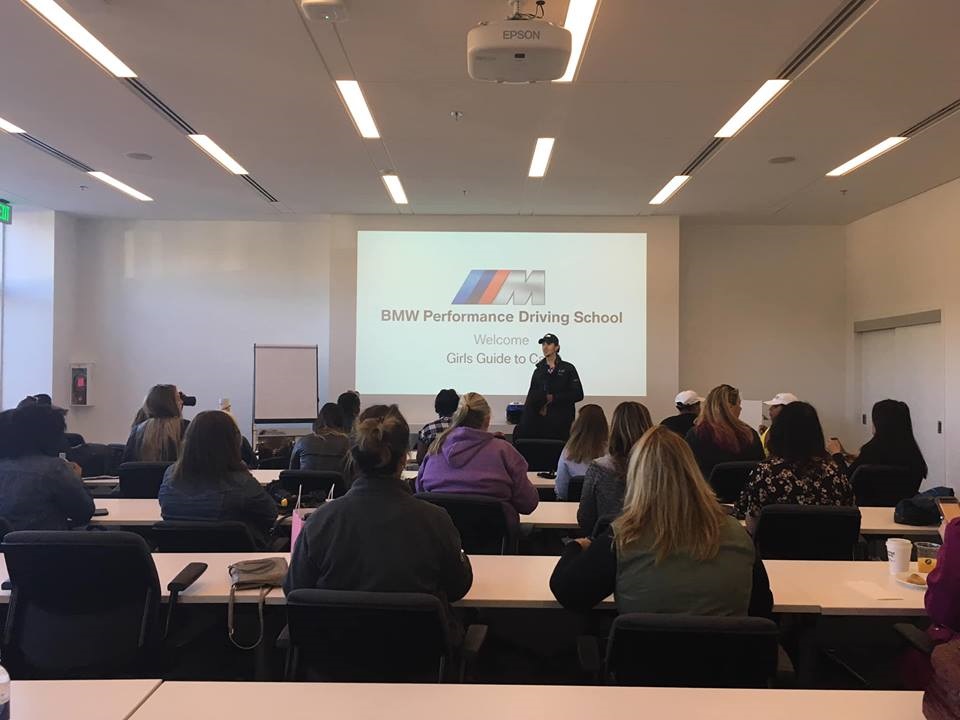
872 590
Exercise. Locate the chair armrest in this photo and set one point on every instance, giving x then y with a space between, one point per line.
786 674
588 653
283 639
473 640
187 577
915 637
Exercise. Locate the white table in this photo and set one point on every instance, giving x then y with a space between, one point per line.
306 701
78 699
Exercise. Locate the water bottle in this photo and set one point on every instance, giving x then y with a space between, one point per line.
4 694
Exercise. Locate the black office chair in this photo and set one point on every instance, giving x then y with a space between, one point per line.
729 478
374 637
540 454
279 462
883 485
482 521
85 605
141 479
807 532
687 651
74 440
318 482
203 536
5 528
575 489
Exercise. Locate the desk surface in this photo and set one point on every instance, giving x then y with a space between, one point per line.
304 701
78 699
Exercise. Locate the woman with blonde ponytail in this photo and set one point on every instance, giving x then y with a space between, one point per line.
673 549
467 458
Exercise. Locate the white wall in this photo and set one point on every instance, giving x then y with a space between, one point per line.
762 308
184 303
906 259
28 290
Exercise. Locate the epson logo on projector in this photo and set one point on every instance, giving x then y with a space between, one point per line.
521 34
500 287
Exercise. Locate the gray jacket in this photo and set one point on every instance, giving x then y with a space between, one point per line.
603 490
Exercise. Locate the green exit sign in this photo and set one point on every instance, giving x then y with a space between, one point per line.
6 213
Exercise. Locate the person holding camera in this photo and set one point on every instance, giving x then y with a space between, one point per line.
159 436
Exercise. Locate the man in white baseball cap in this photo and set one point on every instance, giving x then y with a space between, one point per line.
688 407
779 401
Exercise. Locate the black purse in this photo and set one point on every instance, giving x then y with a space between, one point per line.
921 509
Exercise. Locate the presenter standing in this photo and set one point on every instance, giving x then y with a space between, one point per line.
554 390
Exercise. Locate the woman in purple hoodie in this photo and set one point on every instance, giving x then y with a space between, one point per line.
466 458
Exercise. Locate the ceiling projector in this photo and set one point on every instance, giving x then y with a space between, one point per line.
517 50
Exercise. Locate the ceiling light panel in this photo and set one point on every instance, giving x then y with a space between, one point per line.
395 188
580 16
121 186
541 157
866 156
668 190
218 154
81 37
9 127
752 107
357 107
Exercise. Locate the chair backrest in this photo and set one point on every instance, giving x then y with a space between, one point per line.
84 604
141 479
5 528
883 485
729 478
274 463
313 481
540 454
691 651
575 489
203 536
807 532
74 439
480 520
369 636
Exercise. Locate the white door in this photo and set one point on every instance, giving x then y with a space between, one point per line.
907 364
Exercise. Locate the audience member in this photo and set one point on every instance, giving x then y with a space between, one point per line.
38 490
893 442
211 482
38 399
672 550
718 435
588 441
378 537
326 447
349 403
158 438
445 406
688 408
799 470
466 458
605 479
780 401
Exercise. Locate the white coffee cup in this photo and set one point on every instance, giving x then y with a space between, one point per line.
898 554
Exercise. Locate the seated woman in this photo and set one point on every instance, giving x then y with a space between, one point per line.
799 470
588 440
158 438
893 442
604 482
349 404
211 482
466 458
673 550
378 537
719 435
38 490
327 447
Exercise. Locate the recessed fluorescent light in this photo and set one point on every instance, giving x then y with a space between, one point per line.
395 188
122 187
541 157
676 182
81 37
10 127
760 99
866 156
580 14
353 98
218 154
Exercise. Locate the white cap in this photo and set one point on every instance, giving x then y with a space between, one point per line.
782 399
688 397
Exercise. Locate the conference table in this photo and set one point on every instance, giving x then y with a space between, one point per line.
832 587
547 515
304 701
79 699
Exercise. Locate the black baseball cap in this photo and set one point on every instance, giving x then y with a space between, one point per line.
549 338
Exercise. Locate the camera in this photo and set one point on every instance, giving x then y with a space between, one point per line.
188 400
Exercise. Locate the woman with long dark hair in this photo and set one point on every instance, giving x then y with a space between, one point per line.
719 435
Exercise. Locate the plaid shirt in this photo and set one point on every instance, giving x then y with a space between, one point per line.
430 431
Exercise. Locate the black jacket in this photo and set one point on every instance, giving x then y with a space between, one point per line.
379 538
564 384
681 423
